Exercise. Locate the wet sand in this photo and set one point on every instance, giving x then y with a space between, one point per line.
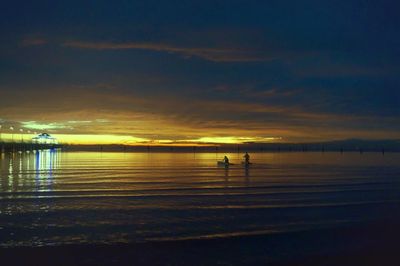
359 244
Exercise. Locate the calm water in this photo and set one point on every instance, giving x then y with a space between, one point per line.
53 198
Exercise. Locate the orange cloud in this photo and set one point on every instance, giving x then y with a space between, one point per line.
33 41
85 111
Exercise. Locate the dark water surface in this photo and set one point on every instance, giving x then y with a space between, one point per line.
56 198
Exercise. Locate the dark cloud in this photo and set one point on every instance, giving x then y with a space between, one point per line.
212 54
33 41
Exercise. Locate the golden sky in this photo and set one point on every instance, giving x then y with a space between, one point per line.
117 119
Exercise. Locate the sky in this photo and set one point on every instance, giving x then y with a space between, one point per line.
200 71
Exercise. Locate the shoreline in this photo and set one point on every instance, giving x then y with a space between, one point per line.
342 146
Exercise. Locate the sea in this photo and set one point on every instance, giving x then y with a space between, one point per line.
56 198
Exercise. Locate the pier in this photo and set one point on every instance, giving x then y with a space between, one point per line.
25 146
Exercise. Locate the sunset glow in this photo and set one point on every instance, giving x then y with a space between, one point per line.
256 77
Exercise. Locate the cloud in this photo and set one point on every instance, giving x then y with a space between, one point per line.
207 53
42 126
233 139
101 109
33 41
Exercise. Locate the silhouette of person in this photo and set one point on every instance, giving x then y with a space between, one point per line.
246 158
226 160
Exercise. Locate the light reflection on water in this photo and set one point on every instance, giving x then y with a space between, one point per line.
51 197
28 170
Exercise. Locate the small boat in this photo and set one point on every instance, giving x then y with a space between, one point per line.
222 163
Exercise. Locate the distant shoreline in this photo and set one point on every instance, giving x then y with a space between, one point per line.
355 145
333 146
